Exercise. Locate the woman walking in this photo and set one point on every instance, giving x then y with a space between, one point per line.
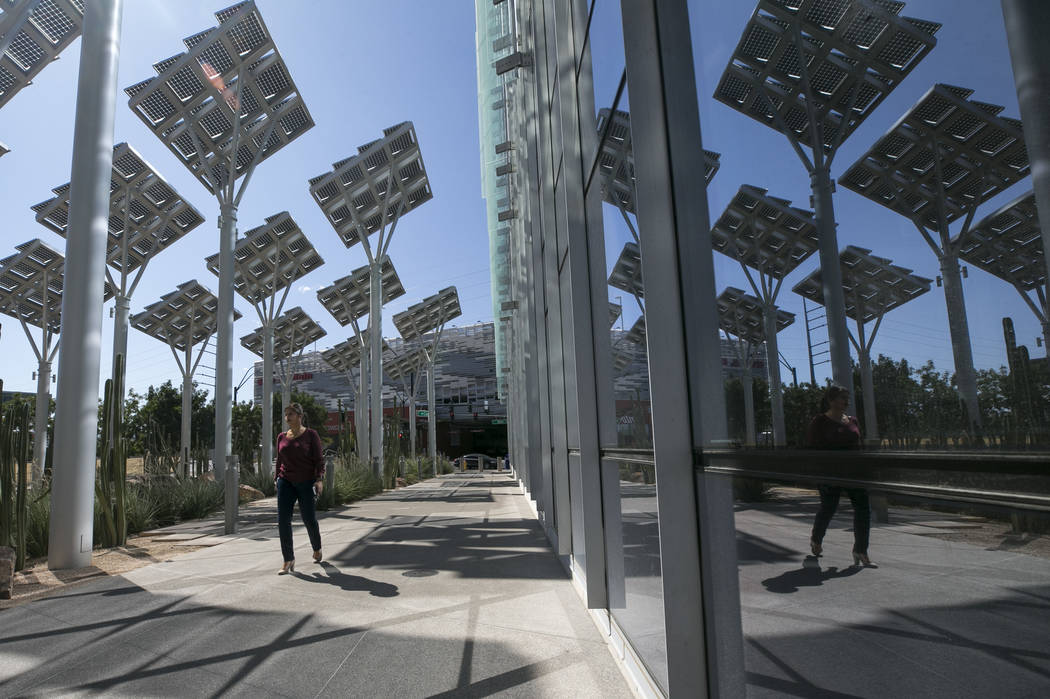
300 477
834 429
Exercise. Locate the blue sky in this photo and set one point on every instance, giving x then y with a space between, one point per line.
362 65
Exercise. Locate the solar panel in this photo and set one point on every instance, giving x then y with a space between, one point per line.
764 232
742 315
348 298
181 318
292 331
429 314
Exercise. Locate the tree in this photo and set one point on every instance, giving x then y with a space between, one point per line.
247 431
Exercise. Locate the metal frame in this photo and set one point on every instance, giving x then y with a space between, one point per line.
32 35
429 316
217 107
746 318
1009 244
269 258
181 319
348 299
146 216
772 237
358 200
938 163
291 333
856 53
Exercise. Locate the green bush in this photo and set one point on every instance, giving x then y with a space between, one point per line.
38 526
198 498
141 508
260 481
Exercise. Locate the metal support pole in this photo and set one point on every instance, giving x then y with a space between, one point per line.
1027 26
375 339
187 411
432 448
267 400
224 340
749 407
831 275
867 385
364 451
232 494
776 394
43 407
959 329
76 414
412 417
121 315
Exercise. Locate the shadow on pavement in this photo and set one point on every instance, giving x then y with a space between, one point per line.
810 575
333 576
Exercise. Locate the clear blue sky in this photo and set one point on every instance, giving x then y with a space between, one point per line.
363 65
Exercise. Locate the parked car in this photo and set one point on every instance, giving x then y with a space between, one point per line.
471 461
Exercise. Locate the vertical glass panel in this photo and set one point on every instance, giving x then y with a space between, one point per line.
873 214
628 472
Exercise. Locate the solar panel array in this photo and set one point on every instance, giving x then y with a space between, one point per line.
616 159
292 331
402 365
742 315
23 294
157 216
41 30
181 318
980 154
347 354
853 54
429 314
231 84
626 274
871 285
764 232
367 190
269 258
1008 244
348 298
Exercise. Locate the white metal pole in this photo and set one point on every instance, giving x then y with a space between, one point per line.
1027 26
431 417
412 415
364 453
43 407
749 406
776 395
831 276
121 320
267 400
76 414
375 339
224 339
187 411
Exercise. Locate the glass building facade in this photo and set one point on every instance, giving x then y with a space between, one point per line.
655 271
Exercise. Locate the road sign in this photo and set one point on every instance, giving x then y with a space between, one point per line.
422 413
498 421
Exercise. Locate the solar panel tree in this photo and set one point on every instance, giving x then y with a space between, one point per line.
32 35
365 195
423 323
814 70
936 165
31 284
146 216
344 357
872 287
267 262
769 238
348 299
1008 244
222 107
292 333
406 367
182 319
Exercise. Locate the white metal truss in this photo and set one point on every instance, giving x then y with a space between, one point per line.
32 34
229 94
348 298
292 332
270 258
856 52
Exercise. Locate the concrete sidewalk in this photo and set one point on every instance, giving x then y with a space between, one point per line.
445 588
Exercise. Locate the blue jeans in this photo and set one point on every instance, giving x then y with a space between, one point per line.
287 494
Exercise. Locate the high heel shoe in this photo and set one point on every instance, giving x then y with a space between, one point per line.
317 556
288 567
815 547
861 559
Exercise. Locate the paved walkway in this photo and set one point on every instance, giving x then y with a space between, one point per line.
447 588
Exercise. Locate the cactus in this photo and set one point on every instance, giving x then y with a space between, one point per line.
14 456
112 471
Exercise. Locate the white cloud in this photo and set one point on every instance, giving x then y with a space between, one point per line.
303 289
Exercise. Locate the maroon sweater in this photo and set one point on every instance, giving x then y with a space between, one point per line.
300 459
825 433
